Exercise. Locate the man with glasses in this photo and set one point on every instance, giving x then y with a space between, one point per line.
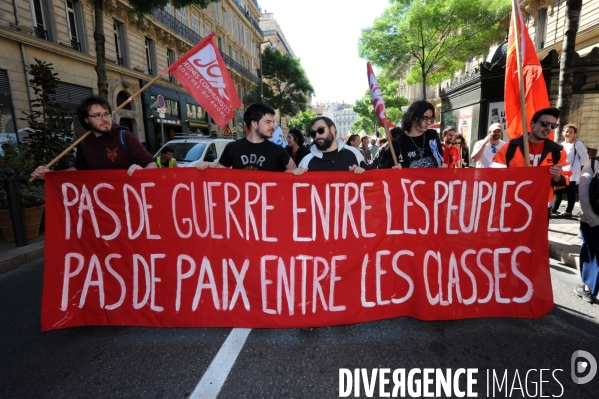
109 146
542 150
419 146
328 152
484 150
255 150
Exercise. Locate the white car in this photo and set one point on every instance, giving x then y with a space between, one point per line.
189 151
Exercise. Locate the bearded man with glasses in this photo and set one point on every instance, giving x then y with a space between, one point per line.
543 151
109 146
328 152
484 150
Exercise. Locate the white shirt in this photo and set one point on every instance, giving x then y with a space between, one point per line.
576 161
488 154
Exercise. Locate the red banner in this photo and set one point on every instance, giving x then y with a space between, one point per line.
204 75
234 248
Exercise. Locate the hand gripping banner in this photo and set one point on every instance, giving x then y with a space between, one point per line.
235 248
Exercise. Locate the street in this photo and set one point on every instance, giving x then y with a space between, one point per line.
136 362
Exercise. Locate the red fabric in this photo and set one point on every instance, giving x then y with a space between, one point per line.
536 96
150 249
451 155
377 98
204 74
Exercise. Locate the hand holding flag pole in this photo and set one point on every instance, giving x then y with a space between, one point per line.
379 108
202 71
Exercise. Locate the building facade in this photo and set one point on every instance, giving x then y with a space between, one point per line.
61 32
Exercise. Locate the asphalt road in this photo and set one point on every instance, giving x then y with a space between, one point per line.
132 362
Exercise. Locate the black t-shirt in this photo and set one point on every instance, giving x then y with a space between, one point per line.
424 151
243 154
334 160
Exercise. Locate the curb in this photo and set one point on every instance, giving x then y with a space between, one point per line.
14 258
565 253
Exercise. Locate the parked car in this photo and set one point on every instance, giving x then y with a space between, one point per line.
189 151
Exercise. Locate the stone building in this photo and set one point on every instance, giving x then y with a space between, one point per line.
61 32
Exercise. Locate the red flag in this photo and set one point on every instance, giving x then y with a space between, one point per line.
377 98
535 89
204 74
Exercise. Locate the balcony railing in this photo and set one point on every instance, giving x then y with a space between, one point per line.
254 23
177 26
41 33
150 71
173 23
76 45
274 32
120 61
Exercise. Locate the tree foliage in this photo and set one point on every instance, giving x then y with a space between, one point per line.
303 121
286 86
393 102
429 40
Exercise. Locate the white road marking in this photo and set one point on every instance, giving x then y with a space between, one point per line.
214 378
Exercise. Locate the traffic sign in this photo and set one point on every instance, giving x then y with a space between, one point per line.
160 101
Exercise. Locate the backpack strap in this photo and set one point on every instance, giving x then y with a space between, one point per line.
511 149
123 141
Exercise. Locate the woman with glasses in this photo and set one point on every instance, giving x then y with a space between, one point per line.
296 149
577 157
460 142
419 146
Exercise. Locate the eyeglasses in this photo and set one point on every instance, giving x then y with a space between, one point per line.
457 142
494 148
546 124
100 116
320 130
428 119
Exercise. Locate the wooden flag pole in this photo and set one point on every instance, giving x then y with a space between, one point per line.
123 105
517 42
390 141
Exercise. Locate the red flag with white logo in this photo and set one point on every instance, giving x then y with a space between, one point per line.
377 98
202 71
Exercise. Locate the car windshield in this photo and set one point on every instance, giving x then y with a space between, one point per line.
187 152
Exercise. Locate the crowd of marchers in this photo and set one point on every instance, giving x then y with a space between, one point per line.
413 145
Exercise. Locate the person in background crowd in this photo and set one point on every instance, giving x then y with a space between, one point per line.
541 150
166 160
364 148
419 146
255 150
484 150
460 142
354 141
296 149
109 146
373 148
589 231
451 154
329 153
577 157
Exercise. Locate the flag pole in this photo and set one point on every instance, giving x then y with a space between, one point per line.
390 140
517 42
123 105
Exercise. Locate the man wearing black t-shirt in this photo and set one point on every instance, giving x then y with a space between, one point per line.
255 151
419 147
329 153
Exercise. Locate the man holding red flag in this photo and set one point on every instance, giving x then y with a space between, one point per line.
535 89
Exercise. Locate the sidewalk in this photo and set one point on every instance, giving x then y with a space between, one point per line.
563 240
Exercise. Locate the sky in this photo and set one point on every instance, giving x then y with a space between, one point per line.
324 35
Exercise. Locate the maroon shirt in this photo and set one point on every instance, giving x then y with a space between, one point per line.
106 152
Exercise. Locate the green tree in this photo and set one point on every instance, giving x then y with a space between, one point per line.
141 7
393 103
303 120
429 40
286 87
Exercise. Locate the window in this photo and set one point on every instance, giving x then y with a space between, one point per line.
170 58
228 20
220 45
151 56
541 28
207 30
181 16
121 98
41 20
119 43
230 52
195 26
72 24
218 13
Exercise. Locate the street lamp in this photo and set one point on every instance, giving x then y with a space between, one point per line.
260 57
